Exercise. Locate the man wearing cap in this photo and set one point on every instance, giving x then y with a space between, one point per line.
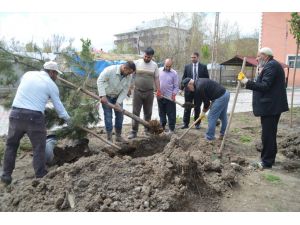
269 101
27 116
215 97
195 70
113 85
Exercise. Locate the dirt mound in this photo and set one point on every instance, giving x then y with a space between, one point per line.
181 176
290 146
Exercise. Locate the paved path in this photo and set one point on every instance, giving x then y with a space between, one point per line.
244 104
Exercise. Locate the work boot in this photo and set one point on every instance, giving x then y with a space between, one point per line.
109 136
132 135
119 135
6 180
184 126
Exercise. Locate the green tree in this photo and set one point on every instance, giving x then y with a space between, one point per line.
295 30
81 109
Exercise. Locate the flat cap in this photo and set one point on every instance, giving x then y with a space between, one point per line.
185 82
266 51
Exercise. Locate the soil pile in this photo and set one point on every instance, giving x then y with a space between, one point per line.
160 175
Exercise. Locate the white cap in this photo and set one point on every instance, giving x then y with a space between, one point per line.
51 65
266 51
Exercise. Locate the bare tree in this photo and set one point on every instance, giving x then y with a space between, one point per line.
57 42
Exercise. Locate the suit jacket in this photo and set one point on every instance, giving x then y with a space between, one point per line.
269 93
188 72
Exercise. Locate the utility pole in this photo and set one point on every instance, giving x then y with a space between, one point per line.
213 73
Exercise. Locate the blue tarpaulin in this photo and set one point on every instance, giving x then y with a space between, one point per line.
98 66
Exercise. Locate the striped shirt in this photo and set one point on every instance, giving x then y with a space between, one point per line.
145 75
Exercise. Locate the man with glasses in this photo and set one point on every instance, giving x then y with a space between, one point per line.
269 101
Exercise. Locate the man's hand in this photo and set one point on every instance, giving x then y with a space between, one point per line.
242 78
118 107
158 93
129 93
202 115
173 97
103 99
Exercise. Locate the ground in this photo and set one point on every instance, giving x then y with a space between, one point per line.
162 173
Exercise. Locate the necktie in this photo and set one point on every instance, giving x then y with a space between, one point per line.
195 72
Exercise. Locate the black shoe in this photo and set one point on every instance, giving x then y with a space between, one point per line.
6 180
197 126
184 127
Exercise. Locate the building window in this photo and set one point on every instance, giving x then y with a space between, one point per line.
291 61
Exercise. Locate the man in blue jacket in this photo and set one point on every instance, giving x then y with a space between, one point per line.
269 101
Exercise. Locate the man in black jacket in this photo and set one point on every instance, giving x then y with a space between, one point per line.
269 101
215 97
195 70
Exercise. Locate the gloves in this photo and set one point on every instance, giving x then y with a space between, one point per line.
158 93
129 93
173 97
202 115
242 78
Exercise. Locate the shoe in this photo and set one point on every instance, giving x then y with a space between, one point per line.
197 126
184 126
170 132
132 135
208 141
6 180
260 165
109 136
119 137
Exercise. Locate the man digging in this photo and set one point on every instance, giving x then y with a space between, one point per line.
113 85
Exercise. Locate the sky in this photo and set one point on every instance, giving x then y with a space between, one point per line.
36 20
100 20
100 27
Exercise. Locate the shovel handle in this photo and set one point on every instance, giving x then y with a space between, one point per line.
91 94
170 100
232 109
196 121
101 138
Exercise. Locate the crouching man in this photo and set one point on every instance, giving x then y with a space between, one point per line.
207 90
113 85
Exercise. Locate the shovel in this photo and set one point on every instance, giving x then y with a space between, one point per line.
196 121
232 109
131 115
186 105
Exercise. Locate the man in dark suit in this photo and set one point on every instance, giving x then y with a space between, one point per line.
194 71
269 101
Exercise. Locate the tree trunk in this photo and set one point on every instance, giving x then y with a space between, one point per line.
293 87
